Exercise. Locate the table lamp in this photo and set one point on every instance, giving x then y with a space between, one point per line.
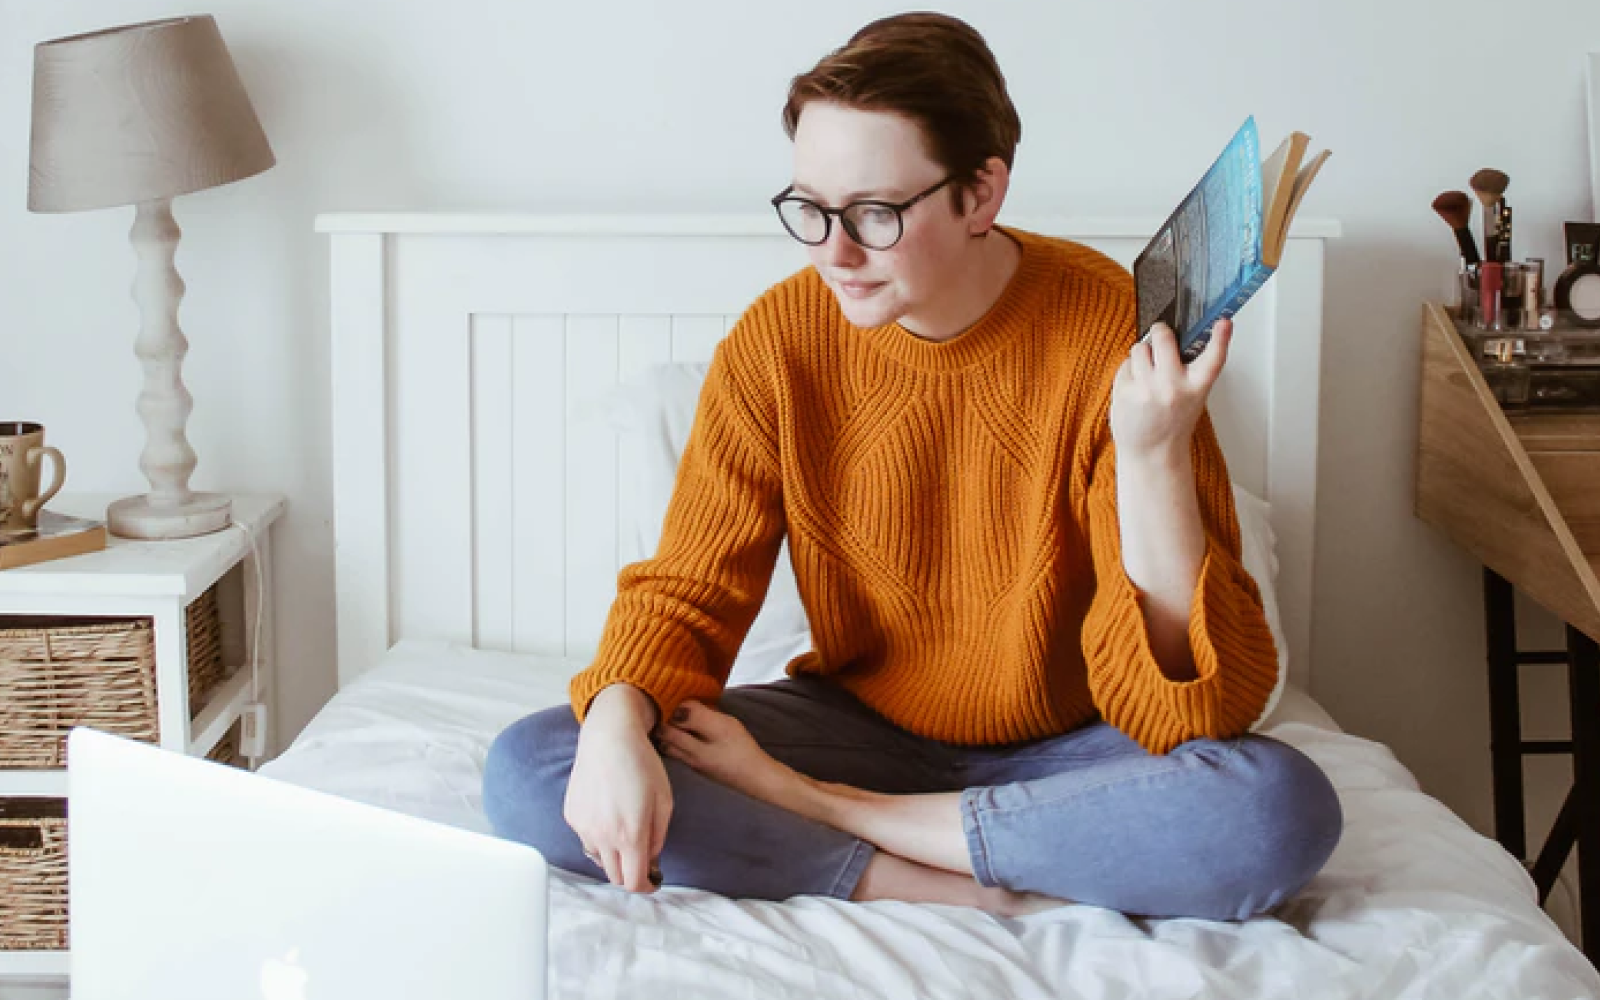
137 115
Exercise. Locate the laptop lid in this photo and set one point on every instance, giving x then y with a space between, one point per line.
191 879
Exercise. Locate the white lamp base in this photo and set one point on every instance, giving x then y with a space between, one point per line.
200 514
170 509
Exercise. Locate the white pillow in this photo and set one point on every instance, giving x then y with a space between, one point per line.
653 414
1259 554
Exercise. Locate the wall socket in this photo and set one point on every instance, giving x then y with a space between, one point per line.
253 731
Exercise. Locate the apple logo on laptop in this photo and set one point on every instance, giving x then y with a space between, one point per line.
284 978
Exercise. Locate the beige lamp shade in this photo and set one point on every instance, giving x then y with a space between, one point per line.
139 113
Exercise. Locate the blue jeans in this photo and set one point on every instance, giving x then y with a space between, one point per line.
1221 830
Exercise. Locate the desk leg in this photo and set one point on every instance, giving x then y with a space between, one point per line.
1583 678
1505 714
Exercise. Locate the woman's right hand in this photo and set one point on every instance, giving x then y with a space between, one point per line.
618 798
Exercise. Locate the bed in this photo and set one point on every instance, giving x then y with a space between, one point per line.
485 499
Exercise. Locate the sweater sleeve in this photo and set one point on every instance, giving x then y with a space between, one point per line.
679 617
1234 654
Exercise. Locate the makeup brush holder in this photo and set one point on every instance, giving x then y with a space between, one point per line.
1462 303
1502 296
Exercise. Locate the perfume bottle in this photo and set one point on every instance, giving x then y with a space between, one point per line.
1505 370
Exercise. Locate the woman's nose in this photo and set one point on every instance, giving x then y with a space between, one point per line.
839 250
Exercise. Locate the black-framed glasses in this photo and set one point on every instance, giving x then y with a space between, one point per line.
874 224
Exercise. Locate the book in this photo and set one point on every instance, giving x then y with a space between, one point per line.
56 537
1225 239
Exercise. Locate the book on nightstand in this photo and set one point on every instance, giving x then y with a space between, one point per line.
56 537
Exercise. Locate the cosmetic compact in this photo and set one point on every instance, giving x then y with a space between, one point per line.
1577 290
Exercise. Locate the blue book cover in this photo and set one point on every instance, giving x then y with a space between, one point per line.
1224 240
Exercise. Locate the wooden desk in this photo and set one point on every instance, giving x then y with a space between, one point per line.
1521 492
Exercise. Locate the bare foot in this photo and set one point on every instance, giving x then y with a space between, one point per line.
889 876
718 746
1020 904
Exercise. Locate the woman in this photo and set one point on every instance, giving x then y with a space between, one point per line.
1037 653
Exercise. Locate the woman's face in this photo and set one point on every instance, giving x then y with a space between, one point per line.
843 155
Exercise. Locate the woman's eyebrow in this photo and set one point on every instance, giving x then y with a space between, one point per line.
802 188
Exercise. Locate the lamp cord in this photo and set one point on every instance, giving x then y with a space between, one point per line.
255 633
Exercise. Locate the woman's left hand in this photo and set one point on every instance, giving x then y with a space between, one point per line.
1156 400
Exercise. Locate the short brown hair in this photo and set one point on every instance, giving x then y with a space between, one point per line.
935 70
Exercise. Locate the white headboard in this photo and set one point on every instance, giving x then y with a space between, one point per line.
477 501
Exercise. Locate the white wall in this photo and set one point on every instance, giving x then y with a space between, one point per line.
636 106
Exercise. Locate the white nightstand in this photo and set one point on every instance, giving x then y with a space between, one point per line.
158 580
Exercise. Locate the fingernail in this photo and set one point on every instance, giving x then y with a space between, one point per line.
655 876
680 714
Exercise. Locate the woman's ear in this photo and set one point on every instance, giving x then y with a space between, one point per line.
985 196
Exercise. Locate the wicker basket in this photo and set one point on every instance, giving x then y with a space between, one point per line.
33 874
33 864
227 749
57 673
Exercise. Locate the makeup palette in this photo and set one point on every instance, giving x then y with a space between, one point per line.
1577 290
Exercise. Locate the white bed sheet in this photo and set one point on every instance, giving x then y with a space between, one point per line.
1413 904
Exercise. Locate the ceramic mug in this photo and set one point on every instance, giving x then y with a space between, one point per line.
22 451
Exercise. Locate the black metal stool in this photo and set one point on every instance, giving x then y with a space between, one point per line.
1578 824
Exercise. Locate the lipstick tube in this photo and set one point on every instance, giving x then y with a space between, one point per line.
1491 277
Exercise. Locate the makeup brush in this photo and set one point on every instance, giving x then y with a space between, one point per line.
1455 208
1489 185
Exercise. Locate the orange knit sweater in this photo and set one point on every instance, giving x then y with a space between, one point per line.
952 521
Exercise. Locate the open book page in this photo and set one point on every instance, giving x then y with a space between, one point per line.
1302 181
1272 175
1277 186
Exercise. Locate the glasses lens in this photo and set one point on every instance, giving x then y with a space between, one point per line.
803 220
876 227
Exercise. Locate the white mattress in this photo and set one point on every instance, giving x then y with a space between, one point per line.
1413 903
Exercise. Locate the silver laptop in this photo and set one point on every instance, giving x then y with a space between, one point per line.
190 879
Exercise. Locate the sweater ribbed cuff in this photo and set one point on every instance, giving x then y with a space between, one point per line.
664 662
1228 626
1234 657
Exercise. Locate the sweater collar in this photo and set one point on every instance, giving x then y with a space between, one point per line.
1004 320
